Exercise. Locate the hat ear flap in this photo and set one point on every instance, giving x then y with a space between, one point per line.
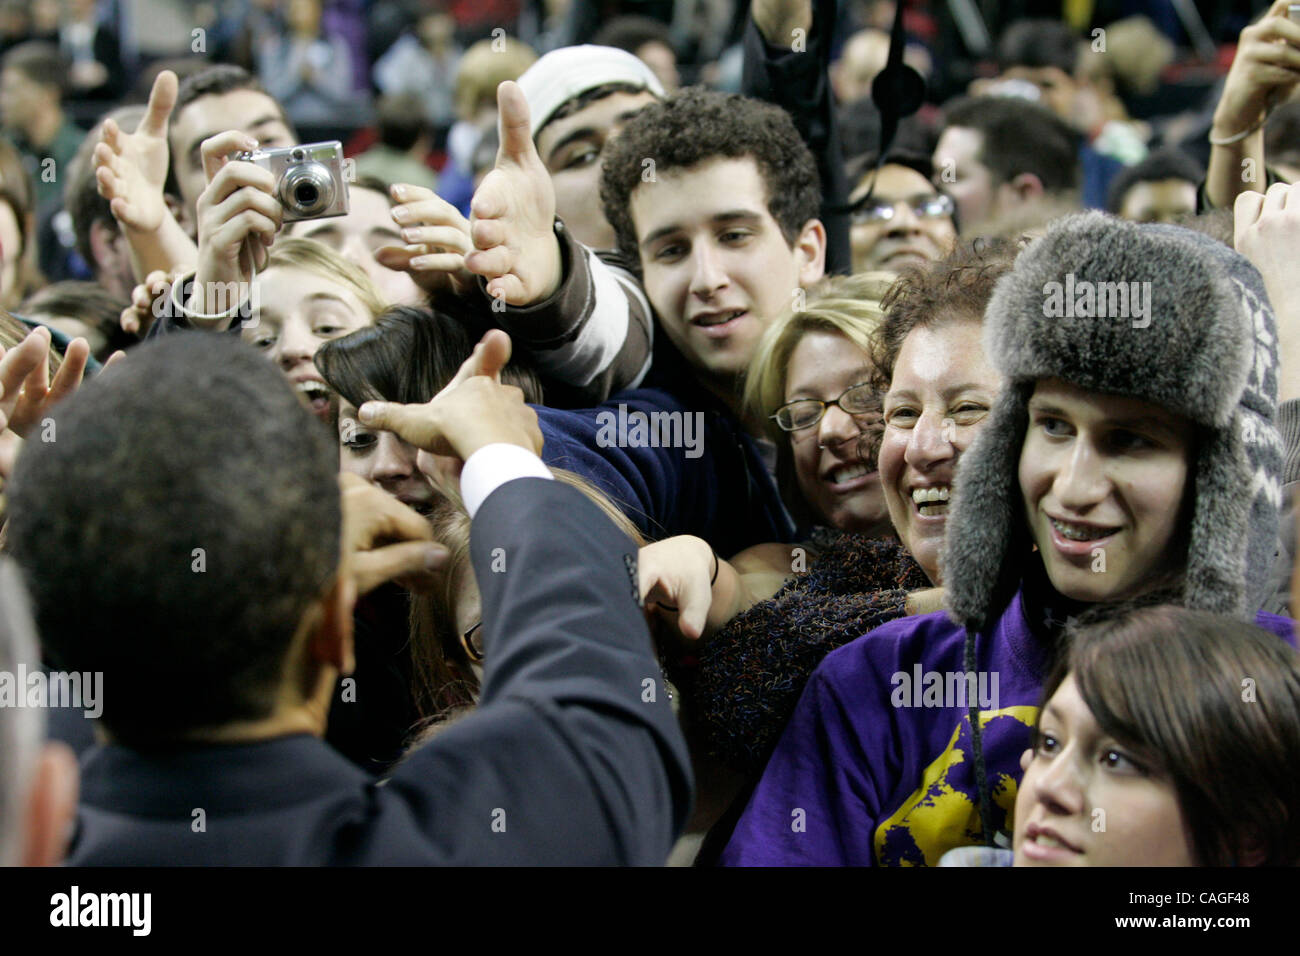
1216 549
985 520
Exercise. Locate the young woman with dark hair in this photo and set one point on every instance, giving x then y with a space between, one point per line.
1167 737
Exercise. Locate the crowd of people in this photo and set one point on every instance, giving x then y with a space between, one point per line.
677 452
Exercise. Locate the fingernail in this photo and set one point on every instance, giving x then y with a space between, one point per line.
401 213
433 557
399 192
421 262
411 235
368 412
250 142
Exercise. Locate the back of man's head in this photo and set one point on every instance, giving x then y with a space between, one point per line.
1020 137
694 126
174 530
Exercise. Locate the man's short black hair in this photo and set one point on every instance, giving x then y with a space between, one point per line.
215 81
1020 137
175 531
1159 166
40 62
1038 43
694 126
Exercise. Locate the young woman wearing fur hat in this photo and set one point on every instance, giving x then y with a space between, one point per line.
1131 453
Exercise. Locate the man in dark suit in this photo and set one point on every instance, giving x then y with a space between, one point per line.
183 537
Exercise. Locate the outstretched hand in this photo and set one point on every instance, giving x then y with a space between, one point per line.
131 168
676 582
513 213
474 410
437 237
26 391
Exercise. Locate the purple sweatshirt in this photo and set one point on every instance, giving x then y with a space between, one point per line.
875 766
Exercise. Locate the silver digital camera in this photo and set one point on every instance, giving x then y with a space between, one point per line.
309 179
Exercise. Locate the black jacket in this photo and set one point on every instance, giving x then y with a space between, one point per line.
572 757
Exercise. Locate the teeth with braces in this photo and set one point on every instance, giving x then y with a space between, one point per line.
1074 532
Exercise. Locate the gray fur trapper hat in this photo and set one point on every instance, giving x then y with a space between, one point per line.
1192 331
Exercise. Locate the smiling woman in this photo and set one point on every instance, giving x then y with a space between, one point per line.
308 295
811 384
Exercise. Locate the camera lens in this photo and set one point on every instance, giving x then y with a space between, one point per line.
307 190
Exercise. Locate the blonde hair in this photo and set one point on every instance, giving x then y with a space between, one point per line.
845 305
319 258
485 66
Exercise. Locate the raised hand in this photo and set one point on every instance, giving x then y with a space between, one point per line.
474 410
26 391
1267 64
1267 232
137 317
238 216
513 213
131 168
437 237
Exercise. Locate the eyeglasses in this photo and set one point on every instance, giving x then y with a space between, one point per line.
805 412
472 643
928 207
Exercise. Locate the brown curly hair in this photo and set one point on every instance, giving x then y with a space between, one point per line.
956 288
695 125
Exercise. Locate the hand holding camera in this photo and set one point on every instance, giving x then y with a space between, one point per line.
238 217
1265 69
250 194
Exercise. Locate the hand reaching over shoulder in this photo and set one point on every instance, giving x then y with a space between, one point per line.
513 213
151 294
474 410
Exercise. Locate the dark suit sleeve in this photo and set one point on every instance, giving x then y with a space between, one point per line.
798 81
573 755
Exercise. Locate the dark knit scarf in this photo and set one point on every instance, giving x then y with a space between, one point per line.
751 673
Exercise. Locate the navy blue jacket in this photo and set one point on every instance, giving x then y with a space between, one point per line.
569 759
723 495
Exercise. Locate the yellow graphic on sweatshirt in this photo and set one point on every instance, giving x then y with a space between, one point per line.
944 811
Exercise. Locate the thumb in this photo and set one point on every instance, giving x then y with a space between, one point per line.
414 424
493 354
162 99
513 126
488 358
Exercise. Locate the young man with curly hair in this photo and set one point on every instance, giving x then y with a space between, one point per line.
713 199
